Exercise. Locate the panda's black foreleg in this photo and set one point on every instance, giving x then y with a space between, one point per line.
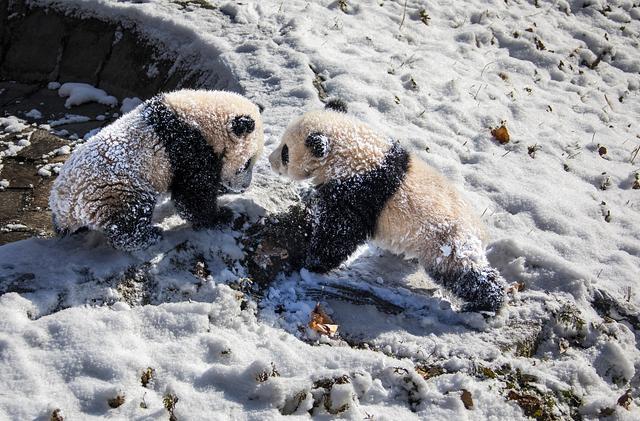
483 289
336 234
129 227
200 207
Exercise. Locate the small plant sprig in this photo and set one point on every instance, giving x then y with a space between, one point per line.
147 376
170 400
424 16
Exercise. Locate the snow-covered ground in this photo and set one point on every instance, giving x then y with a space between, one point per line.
81 323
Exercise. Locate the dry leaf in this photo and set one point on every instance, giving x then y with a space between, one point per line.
515 287
56 415
563 345
602 150
117 401
625 400
321 322
467 400
501 134
428 372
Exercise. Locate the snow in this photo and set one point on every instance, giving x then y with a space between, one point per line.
69 119
12 124
88 135
128 104
35 114
48 170
81 93
72 327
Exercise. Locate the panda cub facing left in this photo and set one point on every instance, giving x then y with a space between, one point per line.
368 187
195 144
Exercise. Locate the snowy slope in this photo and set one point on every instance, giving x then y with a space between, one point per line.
563 76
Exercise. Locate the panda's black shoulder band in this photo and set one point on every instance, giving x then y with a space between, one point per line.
195 166
348 209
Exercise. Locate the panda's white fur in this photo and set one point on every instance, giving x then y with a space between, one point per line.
124 166
424 217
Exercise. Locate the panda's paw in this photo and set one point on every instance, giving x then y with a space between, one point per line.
484 289
222 217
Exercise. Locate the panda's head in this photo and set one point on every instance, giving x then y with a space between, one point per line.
327 144
231 125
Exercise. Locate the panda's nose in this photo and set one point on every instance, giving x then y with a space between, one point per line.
247 167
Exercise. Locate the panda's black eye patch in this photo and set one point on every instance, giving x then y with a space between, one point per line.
242 125
318 144
284 155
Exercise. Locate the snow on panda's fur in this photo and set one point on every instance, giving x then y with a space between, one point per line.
370 187
196 144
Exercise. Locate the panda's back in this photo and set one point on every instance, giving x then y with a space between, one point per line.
425 216
123 156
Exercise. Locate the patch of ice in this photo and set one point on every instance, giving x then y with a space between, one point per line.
69 119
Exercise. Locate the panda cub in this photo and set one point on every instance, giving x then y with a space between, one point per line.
370 187
195 144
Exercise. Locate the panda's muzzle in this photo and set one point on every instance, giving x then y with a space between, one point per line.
240 182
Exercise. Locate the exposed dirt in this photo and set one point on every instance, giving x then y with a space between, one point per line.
40 46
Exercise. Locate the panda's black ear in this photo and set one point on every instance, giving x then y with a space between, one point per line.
242 125
318 144
336 104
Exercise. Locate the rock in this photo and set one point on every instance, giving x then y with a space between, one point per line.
11 236
11 203
39 200
87 49
34 46
130 71
20 176
42 143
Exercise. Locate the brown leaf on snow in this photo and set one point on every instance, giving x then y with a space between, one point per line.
625 400
602 150
321 322
117 401
56 415
467 400
501 134
515 287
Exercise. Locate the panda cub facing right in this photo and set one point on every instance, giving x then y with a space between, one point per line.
368 187
194 144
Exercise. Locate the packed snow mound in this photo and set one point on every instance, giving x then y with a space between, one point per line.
558 201
81 93
129 104
34 113
12 124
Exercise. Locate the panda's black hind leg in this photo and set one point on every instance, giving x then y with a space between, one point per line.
483 289
129 228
